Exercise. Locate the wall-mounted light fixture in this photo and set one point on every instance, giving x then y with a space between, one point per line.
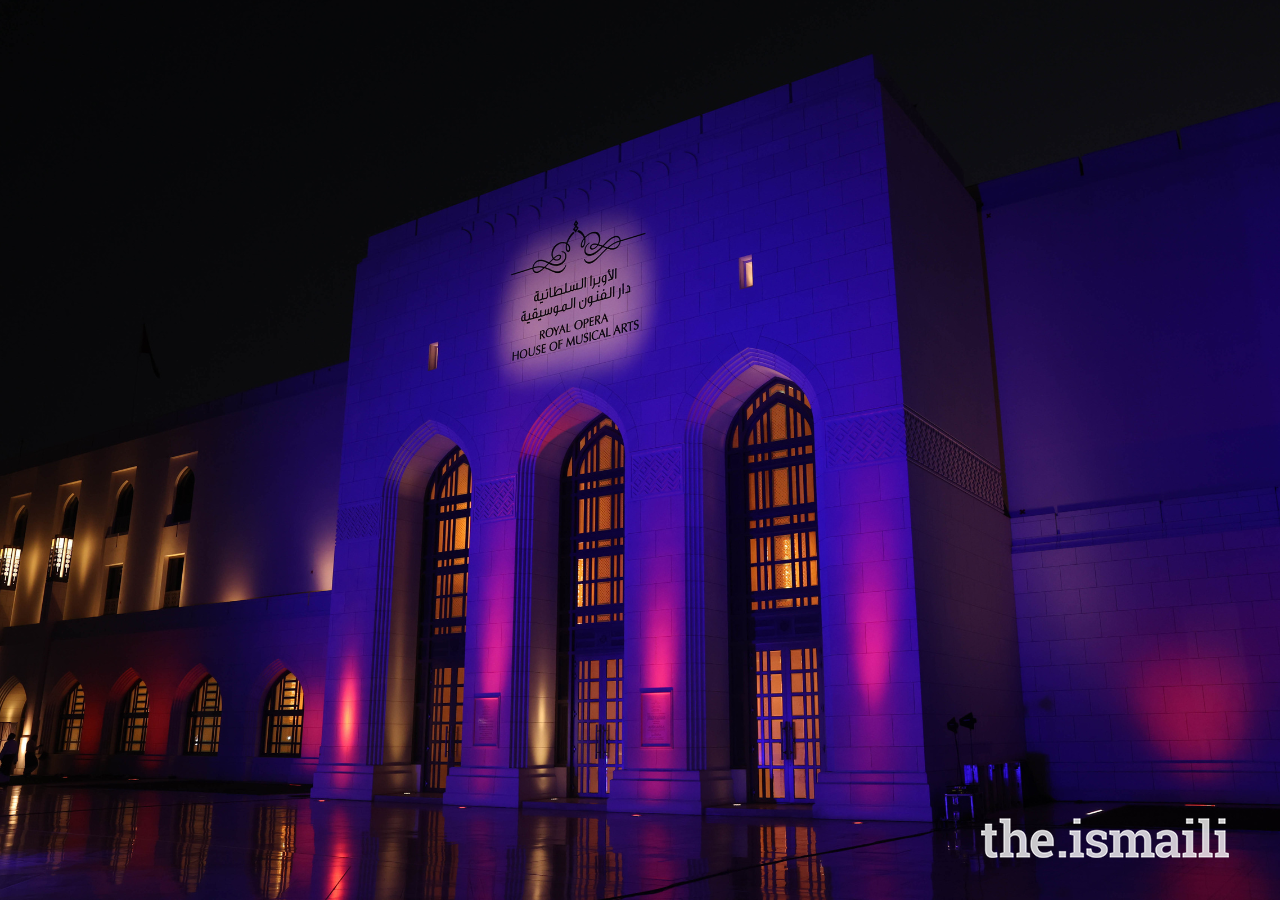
433 355
746 277
60 558
9 559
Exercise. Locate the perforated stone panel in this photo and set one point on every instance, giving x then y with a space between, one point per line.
358 522
859 440
495 499
931 448
656 472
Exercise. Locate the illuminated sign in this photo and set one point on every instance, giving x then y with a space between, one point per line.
582 309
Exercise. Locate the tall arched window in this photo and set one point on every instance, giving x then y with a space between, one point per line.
204 720
591 606
442 620
282 732
183 495
133 720
775 623
11 556
70 721
124 510
20 528
60 551
70 513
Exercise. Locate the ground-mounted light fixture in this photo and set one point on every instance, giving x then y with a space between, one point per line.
9 559
60 558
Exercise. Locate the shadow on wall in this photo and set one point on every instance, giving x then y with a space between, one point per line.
1036 788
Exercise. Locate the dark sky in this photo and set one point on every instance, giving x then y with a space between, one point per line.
214 172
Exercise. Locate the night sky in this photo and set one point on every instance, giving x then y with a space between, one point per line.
214 174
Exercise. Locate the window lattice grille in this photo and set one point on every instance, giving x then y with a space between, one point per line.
133 720
596 469
71 720
204 727
283 733
772 440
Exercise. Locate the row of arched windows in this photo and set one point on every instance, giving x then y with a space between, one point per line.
281 720
60 550
775 633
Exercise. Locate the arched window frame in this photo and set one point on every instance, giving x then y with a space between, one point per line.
20 528
445 581
751 501
60 549
124 510
70 720
282 717
204 718
11 555
184 495
586 485
775 621
135 711
589 642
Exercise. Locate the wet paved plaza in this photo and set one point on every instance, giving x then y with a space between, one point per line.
79 842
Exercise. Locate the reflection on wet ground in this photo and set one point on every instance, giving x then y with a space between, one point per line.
100 842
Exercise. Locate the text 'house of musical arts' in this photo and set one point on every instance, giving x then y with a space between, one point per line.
726 465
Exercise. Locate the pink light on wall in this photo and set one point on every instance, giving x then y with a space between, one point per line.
349 713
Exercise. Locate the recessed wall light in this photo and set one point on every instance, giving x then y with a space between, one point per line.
746 277
433 355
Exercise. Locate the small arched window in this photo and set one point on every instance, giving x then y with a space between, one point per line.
124 510
60 550
204 722
20 529
183 495
70 721
69 513
282 735
11 556
133 719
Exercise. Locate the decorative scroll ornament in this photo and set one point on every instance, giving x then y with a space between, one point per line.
589 243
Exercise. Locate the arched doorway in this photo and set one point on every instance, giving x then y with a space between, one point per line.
442 620
589 622
774 615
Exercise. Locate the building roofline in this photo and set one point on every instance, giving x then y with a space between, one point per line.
258 396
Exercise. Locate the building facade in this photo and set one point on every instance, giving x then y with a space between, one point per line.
728 464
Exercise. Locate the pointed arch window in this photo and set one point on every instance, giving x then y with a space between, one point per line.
442 618
771 459
124 510
774 594
183 496
594 487
11 555
71 720
133 719
60 551
590 639
282 734
204 720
